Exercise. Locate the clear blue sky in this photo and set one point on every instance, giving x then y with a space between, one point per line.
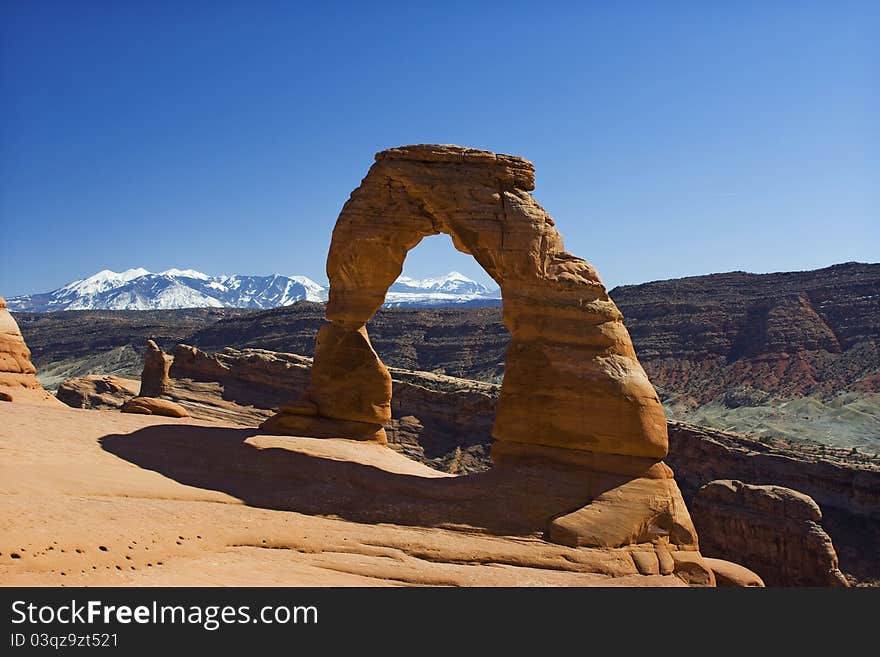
670 138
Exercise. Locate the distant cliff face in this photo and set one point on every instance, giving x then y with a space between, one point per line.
731 336
467 343
789 334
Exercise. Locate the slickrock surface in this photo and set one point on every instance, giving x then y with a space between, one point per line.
18 381
772 530
570 356
105 499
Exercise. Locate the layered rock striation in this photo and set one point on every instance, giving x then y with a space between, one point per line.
18 380
773 530
740 339
97 391
154 378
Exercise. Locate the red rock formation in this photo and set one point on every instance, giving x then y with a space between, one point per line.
772 530
573 392
701 454
196 364
154 379
18 380
97 391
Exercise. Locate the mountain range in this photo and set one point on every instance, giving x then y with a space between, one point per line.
140 289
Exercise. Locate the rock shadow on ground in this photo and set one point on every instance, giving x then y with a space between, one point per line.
307 475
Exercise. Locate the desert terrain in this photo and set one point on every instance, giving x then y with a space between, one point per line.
101 498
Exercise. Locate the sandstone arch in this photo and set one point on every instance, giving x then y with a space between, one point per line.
573 391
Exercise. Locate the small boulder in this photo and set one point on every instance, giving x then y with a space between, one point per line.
154 406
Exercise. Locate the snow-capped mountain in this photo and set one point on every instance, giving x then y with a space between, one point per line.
140 289
454 288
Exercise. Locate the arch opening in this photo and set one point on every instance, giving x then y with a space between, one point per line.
445 357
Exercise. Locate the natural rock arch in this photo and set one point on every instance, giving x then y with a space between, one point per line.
573 390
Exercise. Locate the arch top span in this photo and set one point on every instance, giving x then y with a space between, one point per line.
573 388
480 199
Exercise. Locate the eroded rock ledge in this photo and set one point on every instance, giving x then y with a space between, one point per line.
773 530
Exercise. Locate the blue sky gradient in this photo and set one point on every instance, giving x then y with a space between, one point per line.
670 138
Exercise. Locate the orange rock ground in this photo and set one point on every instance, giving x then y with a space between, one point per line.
101 498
